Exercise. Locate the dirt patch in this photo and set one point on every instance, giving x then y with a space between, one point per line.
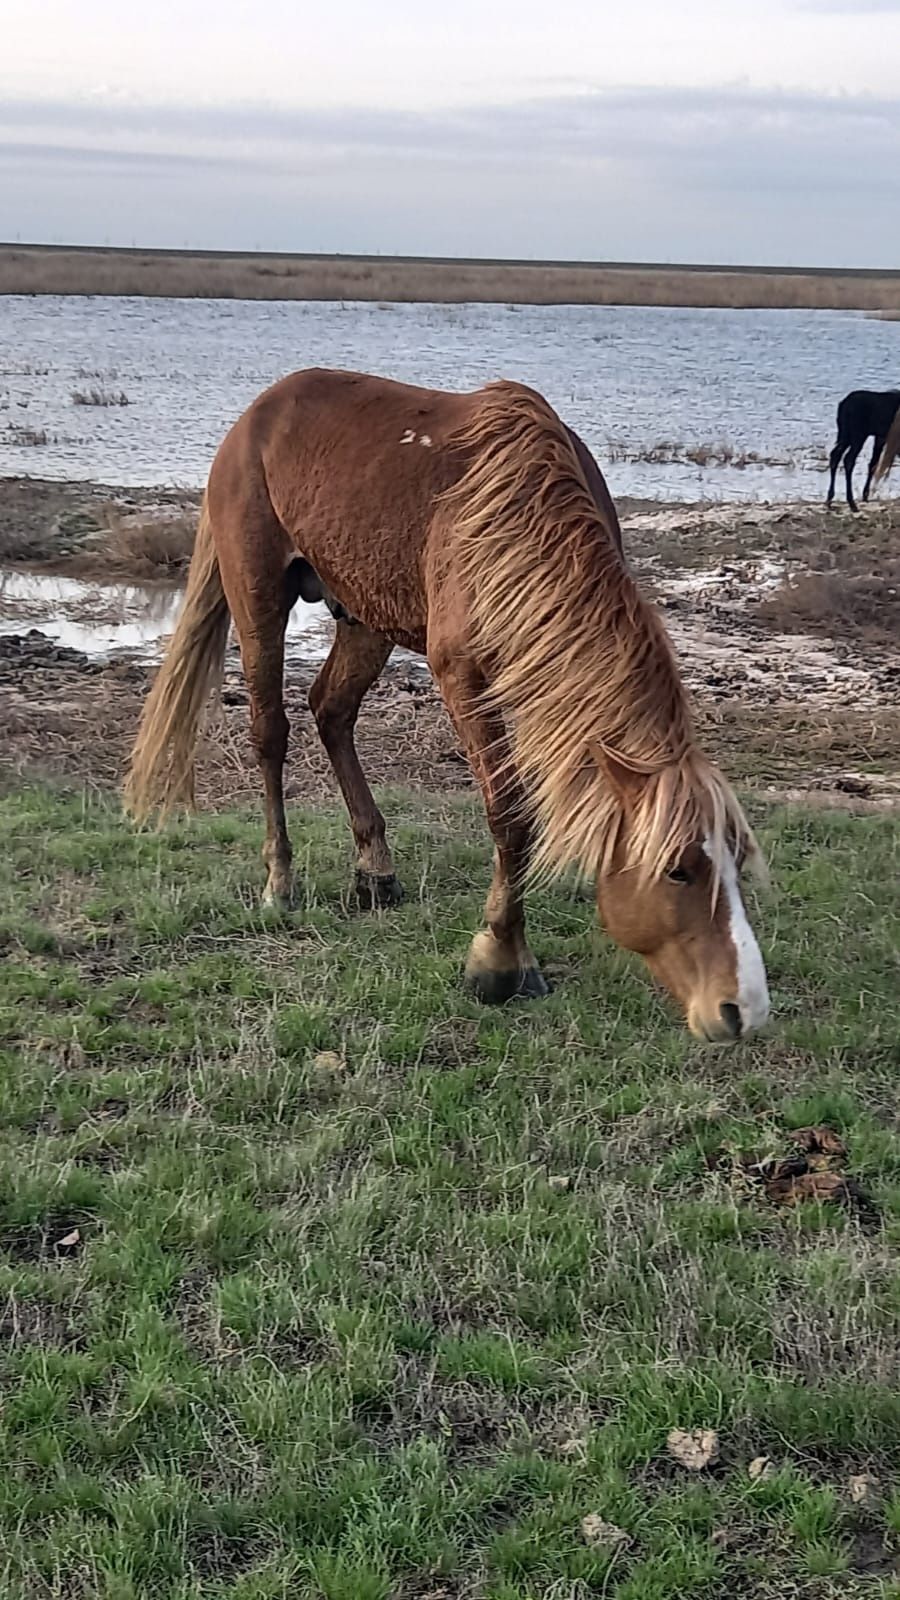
64 715
39 1324
92 530
58 1235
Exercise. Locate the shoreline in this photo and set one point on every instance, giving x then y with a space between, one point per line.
785 623
95 270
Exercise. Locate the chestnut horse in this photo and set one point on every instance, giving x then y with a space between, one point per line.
477 530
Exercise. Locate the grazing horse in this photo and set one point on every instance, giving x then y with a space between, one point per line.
861 415
477 530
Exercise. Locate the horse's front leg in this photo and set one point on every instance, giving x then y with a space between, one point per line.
500 965
876 457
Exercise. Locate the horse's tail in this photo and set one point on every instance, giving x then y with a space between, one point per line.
890 451
161 771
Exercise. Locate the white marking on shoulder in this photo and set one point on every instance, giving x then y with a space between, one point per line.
425 439
409 437
753 988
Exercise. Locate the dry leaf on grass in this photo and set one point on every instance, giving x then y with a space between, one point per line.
69 1241
605 1535
819 1141
695 1449
787 1188
761 1468
559 1182
812 1174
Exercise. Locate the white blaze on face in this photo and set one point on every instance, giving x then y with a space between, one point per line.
752 988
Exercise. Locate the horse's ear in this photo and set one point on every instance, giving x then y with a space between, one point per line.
621 779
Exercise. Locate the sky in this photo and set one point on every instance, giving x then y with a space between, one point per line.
663 130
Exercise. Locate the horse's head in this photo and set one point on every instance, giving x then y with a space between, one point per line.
690 924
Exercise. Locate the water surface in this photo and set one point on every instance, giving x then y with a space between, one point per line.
626 377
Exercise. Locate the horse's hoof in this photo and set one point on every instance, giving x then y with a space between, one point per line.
374 891
496 987
278 901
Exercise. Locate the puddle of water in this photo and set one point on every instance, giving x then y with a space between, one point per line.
103 619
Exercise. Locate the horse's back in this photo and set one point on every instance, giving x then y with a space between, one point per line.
863 404
347 471
353 408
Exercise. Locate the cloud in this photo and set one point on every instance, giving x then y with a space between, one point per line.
849 8
20 152
608 172
616 124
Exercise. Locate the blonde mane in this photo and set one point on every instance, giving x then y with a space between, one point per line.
580 661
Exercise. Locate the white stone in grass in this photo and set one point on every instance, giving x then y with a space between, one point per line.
601 1534
863 1487
329 1061
694 1449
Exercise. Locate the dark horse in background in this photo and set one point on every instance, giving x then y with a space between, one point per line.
862 415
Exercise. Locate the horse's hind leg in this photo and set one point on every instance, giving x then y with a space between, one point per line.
357 658
849 463
834 461
500 965
260 595
876 457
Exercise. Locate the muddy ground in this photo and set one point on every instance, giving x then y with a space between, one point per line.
786 621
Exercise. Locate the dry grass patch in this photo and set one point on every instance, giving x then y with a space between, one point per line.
141 546
22 436
673 452
100 397
35 270
95 531
837 605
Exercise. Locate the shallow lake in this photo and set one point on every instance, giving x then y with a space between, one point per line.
634 381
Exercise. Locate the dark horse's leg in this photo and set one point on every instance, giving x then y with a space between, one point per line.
500 965
850 460
876 456
834 461
356 660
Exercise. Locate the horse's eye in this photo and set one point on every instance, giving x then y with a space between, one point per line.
678 875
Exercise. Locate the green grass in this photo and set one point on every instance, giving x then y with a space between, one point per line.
330 1330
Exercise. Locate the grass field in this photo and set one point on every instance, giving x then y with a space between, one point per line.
38 269
319 1281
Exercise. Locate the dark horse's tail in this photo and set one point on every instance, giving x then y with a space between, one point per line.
161 772
891 450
